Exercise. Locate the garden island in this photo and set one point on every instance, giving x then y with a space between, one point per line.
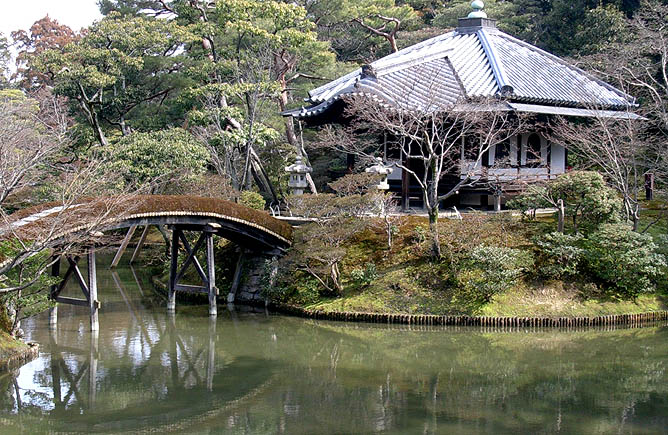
182 180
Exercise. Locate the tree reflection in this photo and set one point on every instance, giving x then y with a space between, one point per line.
257 373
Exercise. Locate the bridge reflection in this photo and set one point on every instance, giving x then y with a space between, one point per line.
144 368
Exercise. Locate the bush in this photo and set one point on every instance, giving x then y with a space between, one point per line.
492 270
628 263
252 200
560 255
419 234
364 277
588 200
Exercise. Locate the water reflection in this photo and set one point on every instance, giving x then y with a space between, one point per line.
254 373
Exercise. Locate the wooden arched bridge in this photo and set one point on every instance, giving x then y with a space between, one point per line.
56 226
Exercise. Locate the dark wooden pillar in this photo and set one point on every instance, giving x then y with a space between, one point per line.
211 274
173 269
405 188
649 187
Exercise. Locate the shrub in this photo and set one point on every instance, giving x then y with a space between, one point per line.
364 277
301 290
588 200
252 200
560 255
492 270
628 263
419 234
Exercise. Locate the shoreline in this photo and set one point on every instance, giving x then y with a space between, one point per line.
19 358
636 320
628 320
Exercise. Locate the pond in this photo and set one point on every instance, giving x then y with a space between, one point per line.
254 372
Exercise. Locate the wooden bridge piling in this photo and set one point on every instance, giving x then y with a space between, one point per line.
92 292
211 271
88 288
173 269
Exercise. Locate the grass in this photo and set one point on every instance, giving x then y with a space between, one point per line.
557 299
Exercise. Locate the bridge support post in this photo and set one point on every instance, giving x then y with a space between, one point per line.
92 368
173 269
232 295
176 273
88 288
211 354
92 292
140 244
123 247
53 312
211 272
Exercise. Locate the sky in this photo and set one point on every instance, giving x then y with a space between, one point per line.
21 14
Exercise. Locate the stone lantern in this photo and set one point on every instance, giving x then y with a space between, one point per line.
383 170
298 171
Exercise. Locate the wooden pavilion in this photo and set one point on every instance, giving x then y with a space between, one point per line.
475 62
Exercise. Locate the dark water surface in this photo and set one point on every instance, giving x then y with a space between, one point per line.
246 373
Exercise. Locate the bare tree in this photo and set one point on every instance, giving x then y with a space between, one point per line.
434 142
616 147
639 64
32 131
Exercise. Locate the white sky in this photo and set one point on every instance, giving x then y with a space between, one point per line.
21 14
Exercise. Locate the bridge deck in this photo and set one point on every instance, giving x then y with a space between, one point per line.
253 229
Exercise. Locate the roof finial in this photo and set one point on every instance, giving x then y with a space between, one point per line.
478 12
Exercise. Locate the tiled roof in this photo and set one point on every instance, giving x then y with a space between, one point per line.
471 62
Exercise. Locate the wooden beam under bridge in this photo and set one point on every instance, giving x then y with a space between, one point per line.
88 288
207 276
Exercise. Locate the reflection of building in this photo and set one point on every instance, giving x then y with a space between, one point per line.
476 61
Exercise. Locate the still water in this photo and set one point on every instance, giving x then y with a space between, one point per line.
256 373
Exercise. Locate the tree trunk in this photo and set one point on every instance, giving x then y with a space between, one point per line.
290 130
335 276
561 213
388 230
433 230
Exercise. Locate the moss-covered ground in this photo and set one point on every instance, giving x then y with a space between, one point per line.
9 346
408 281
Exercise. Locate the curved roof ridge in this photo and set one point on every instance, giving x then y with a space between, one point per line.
505 87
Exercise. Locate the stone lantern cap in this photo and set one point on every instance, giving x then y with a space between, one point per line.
298 167
379 168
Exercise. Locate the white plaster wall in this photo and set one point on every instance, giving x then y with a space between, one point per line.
557 159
